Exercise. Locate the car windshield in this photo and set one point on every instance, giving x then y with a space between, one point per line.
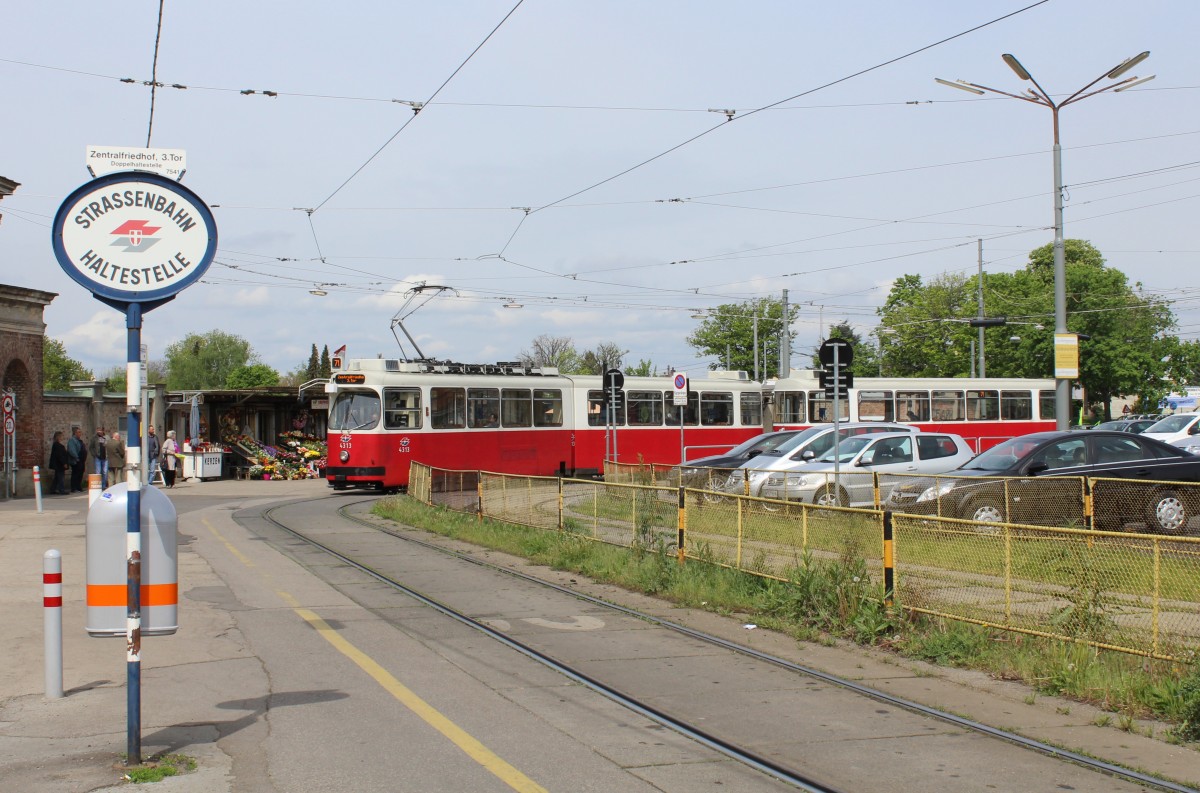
1172 423
761 442
1003 456
846 449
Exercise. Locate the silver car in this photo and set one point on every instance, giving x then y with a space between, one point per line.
797 450
860 457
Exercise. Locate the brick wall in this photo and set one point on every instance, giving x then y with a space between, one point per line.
21 333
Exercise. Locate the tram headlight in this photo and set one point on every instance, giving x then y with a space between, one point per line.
344 456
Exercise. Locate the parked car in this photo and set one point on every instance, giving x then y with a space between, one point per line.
1175 428
806 445
860 457
1136 426
696 473
1149 466
1190 444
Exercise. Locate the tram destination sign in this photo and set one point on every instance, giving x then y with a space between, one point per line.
134 237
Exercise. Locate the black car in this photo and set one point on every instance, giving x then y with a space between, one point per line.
997 486
696 473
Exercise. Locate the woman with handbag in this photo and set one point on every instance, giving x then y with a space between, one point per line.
170 459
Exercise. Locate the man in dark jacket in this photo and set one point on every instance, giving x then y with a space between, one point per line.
59 464
116 458
76 455
96 448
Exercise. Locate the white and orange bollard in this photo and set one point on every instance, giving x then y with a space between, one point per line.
37 486
52 618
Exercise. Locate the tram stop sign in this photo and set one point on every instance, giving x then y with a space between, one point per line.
613 378
845 352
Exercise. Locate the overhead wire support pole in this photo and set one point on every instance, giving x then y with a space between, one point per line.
1062 390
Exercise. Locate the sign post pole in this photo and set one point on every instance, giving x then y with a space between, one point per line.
134 240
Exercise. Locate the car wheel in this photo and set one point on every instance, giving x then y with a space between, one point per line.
984 512
1168 513
830 497
710 497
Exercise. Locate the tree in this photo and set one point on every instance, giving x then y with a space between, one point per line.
58 368
326 369
866 360
727 334
930 334
253 376
644 368
314 365
607 355
552 351
114 378
201 361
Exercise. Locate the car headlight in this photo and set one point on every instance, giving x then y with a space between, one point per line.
937 491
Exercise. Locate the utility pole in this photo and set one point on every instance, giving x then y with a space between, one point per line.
982 366
785 342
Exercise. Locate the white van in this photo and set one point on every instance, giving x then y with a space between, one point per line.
1174 428
798 450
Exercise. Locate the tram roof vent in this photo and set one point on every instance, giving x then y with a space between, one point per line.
726 375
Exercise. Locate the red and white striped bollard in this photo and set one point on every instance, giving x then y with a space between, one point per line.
52 618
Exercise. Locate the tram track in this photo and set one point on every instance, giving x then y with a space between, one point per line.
725 747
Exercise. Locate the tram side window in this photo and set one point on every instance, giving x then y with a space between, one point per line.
949 406
983 405
876 406
1016 405
597 415
716 409
912 405
751 409
483 407
789 407
547 408
354 410
402 408
516 408
691 413
1046 400
448 408
820 407
644 408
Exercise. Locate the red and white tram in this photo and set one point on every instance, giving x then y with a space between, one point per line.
512 419
984 411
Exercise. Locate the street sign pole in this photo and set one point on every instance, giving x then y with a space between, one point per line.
165 240
837 422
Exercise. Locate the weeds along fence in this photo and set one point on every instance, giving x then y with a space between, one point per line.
1129 591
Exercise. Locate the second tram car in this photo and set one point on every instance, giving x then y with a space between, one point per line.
984 411
513 419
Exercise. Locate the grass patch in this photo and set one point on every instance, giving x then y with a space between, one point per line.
827 597
159 768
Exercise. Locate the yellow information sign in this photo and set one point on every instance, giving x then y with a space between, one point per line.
1066 355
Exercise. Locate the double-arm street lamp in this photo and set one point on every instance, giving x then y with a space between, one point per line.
1062 405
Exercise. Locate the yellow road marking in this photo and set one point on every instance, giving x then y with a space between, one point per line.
241 556
426 712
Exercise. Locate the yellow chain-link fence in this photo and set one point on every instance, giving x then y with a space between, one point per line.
936 545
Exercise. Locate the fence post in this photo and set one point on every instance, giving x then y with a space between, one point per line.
682 522
479 498
1089 506
561 525
889 562
1157 594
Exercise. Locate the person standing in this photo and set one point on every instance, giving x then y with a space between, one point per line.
96 448
153 447
170 460
59 464
116 457
77 454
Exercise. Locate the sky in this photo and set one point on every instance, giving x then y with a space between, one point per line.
599 171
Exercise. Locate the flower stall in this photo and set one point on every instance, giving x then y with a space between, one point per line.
295 456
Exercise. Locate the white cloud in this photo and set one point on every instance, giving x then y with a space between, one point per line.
100 338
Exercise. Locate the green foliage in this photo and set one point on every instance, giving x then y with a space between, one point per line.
326 369
313 370
644 368
866 356
206 360
253 376
58 368
1189 707
929 335
728 332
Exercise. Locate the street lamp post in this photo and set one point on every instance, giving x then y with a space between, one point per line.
1062 404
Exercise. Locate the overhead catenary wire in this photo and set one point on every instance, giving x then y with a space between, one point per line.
154 72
